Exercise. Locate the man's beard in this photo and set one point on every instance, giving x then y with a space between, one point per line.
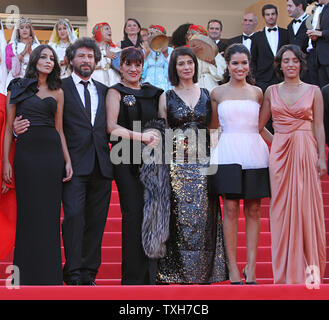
84 73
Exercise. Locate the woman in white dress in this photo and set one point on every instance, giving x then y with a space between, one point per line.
242 158
62 36
23 41
107 70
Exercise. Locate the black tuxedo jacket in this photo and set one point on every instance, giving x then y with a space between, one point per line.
85 141
325 93
262 57
301 38
221 46
237 39
322 44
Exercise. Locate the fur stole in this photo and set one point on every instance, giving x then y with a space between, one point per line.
156 180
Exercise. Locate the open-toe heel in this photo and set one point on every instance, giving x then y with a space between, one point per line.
245 277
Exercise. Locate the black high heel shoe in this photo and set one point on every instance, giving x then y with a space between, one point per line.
245 277
237 283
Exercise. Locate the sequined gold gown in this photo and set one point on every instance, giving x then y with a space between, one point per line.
195 249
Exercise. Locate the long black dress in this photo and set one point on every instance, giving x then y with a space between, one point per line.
39 169
137 107
195 248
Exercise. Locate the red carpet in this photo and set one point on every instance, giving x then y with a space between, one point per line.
195 292
108 279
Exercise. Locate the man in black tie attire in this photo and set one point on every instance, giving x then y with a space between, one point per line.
320 37
297 27
86 198
265 46
215 28
249 24
297 33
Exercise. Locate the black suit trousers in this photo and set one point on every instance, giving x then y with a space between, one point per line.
137 268
311 76
323 75
86 202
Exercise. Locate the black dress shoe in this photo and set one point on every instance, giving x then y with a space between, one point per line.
73 282
89 283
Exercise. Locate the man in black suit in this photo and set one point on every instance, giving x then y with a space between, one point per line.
297 27
86 197
265 46
215 29
321 39
249 24
297 34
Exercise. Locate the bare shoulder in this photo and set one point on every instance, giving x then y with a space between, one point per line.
163 97
113 93
217 92
269 90
258 93
318 93
58 94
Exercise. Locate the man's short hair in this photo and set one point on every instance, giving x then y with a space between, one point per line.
215 20
269 6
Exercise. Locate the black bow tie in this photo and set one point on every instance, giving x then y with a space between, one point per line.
297 20
319 4
246 37
272 29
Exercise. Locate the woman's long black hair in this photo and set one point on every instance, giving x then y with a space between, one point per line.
54 81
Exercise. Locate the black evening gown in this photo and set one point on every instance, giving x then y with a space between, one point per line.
195 248
39 169
137 107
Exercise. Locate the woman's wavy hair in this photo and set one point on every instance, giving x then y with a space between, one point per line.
229 52
297 52
54 81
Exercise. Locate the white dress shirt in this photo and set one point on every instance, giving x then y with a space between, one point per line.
296 25
247 42
273 39
93 94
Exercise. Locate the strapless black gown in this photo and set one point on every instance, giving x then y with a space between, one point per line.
39 169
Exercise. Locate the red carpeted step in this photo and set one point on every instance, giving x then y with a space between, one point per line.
263 254
110 270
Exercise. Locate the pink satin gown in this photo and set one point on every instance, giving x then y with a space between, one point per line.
296 214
